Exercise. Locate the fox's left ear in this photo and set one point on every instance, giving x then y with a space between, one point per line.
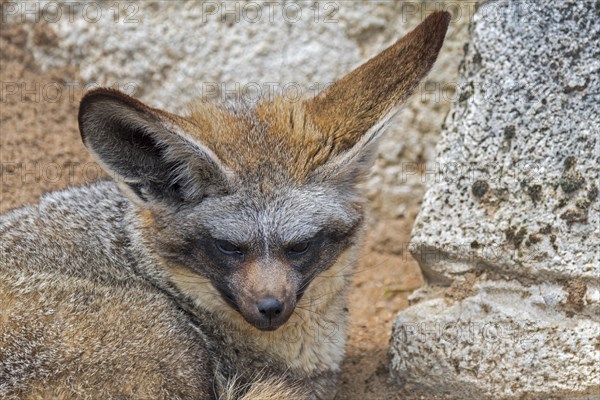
352 112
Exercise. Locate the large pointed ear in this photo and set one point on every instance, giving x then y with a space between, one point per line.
352 112
149 152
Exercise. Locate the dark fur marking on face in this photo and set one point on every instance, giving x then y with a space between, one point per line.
196 251
335 242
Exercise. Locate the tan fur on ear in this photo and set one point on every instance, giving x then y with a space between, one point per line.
351 106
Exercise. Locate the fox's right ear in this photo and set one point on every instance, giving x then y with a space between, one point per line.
149 152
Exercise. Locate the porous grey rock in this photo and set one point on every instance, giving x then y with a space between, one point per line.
508 236
169 52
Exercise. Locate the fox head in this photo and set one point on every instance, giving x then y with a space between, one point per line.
256 201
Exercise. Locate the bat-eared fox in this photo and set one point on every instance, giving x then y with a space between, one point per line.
215 264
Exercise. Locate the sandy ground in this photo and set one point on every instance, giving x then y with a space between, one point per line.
41 151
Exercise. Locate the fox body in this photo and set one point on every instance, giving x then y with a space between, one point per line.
215 264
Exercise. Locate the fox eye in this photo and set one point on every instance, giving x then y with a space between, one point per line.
228 248
299 248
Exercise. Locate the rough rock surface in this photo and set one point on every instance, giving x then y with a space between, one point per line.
169 52
508 236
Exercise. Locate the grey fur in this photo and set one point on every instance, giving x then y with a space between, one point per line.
82 243
149 286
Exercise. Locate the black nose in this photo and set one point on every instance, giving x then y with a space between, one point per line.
269 307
